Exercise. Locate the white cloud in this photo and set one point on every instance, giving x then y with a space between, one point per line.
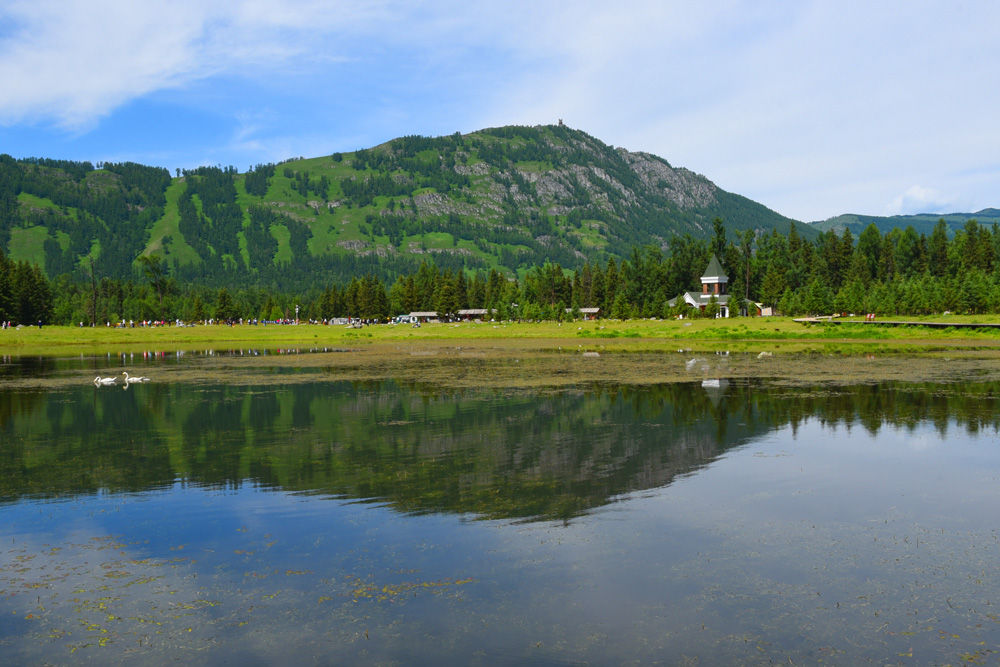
812 108
918 199
75 61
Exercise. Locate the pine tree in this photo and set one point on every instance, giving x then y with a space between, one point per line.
461 290
6 297
620 309
887 259
197 309
477 292
597 288
907 252
40 296
577 289
225 307
352 305
844 256
938 250
446 298
152 266
774 285
711 308
719 240
411 298
586 285
611 285
869 249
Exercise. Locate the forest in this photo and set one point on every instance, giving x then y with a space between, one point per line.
900 272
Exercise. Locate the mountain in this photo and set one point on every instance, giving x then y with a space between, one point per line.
922 223
506 198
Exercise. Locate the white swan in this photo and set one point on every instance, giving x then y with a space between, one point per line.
104 381
134 379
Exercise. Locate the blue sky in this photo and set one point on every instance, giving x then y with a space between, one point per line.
811 108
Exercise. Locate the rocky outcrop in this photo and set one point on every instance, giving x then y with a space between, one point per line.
681 186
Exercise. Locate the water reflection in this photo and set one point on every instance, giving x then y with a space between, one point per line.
12 366
292 519
512 454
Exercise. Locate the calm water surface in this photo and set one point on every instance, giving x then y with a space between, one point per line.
325 522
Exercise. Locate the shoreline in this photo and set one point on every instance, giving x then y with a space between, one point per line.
504 363
747 334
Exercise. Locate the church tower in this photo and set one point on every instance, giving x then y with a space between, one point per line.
715 281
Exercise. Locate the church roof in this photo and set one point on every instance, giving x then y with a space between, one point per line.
714 270
697 299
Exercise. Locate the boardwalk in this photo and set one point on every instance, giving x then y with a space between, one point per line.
897 323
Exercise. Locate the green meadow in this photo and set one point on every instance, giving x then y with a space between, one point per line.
746 334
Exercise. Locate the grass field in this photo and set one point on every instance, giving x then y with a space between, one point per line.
169 225
28 244
745 334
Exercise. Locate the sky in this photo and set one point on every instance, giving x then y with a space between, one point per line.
812 108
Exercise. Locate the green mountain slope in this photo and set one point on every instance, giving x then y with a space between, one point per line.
922 223
506 198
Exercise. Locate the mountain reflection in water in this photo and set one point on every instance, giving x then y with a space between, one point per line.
511 454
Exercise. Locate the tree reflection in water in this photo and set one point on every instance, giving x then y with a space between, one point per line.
510 454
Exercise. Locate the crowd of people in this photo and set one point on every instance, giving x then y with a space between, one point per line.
132 324
9 325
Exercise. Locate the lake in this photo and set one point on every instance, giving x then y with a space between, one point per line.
263 507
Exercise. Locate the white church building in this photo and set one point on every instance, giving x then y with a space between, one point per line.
713 283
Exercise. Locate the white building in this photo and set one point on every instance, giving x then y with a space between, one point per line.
714 283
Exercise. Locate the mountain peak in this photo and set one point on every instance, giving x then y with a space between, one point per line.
502 198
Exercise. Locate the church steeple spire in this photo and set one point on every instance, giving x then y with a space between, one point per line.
715 280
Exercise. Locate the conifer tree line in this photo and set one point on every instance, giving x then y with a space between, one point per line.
25 293
896 273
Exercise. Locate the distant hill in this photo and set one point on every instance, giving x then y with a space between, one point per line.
922 223
506 198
